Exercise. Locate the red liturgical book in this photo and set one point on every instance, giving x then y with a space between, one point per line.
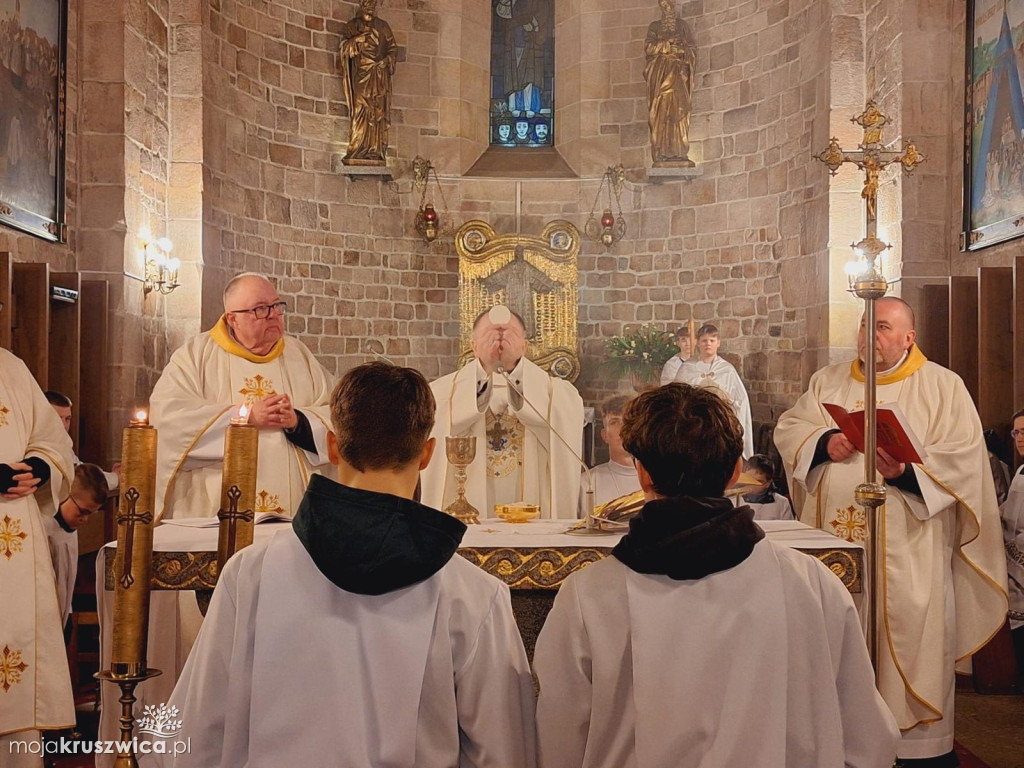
895 436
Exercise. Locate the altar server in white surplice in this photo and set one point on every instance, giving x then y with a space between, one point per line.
517 456
358 637
245 358
671 368
707 369
617 476
944 578
36 463
700 643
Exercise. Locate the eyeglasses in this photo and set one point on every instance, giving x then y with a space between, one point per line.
84 512
1016 433
263 311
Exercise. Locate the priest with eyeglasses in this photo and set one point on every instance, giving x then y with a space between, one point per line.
244 359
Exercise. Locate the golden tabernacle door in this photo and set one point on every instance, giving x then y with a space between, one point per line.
536 277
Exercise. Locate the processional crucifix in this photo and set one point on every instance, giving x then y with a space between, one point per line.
868 283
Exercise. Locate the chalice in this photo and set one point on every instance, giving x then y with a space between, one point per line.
460 452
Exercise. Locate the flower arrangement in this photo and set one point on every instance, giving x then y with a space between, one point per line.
639 353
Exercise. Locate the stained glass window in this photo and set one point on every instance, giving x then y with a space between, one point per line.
522 73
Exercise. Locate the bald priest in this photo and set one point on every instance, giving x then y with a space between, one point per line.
245 358
943 582
517 421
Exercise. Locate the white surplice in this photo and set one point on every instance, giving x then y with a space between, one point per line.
291 670
762 665
671 369
721 374
201 389
63 546
35 685
944 580
611 480
525 461
777 509
1012 513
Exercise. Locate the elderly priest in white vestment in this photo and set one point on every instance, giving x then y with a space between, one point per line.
700 643
36 463
358 637
518 456
244 358
944 576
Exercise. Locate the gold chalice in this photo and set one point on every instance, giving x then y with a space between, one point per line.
460 452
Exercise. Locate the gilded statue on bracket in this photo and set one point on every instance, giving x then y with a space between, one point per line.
536 277
669 74
368 55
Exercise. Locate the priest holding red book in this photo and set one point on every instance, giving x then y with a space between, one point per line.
943 581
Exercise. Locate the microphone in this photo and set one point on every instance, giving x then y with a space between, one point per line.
372 345
589 490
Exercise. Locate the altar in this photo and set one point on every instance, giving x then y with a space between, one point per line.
533 559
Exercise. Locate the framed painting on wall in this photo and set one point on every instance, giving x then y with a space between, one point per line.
33 60
994 123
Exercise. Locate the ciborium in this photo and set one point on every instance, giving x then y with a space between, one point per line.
460 452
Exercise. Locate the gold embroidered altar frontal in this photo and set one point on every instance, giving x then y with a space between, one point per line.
520 567
535 276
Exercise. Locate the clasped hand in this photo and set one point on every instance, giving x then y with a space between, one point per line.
501 344
26 482
273 412
840 449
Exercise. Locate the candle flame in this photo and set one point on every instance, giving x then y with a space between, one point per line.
243 412
141 415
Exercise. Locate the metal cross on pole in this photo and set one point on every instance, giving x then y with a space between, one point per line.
867 282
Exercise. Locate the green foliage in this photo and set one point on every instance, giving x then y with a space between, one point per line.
640 353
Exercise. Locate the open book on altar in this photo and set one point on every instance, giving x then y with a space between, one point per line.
213 522
895 436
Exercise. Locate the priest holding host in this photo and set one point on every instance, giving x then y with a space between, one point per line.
942 589
520 416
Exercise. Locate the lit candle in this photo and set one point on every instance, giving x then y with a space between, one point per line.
243 415
238 487
133 563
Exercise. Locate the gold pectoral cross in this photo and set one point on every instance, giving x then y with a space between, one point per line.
233 516
130 518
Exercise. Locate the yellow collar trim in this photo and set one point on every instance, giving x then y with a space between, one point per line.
915 359
220 334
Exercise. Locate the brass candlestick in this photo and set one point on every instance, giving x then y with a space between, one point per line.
238 487
133 567
460 452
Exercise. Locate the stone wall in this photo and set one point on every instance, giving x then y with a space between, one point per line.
743 244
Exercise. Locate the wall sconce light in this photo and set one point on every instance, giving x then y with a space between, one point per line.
610 228
161 268
429 223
